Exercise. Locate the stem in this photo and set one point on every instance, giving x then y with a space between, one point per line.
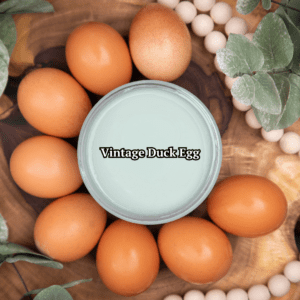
23 282
286 6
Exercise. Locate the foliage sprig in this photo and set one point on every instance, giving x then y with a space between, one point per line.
11 253
268 68
8 32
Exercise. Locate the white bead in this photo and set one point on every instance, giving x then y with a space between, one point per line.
249 36
202 25
292 271
214 41
217 64
273 135
215 295
193 295
221 13
173 297
251 119
204 5
170 3
240 106
279 285
229 81
290 142
187 11
237 294
236 25
259 292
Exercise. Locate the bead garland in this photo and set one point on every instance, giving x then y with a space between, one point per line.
202 25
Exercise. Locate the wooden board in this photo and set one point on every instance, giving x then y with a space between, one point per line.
244 151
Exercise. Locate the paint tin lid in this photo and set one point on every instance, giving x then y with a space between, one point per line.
149 152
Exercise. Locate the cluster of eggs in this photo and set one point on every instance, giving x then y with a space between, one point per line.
277 286
202 25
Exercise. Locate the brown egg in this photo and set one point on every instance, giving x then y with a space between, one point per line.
46 167
160 43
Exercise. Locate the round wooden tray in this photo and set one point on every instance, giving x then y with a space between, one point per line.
244 152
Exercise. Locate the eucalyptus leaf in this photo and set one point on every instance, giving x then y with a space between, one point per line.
45 262
293 14
54 292
8 32
4 61
245 7
240 56
267 97
273 39
271 121
65 286
266 4
12 248
291 112
2 259
295 36
3 230
243 89
28 6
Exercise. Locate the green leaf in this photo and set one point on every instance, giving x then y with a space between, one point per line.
243 89
2 259
8 32
295 36
15 252
291 111
268 120
273 39
28 6
267 97
11 248
239 57
294 15
54 292
65 286
38 260
266 4
4 61
245 7
3 230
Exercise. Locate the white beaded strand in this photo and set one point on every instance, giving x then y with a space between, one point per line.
273 135
170 3
204 5
292 271
259 292
237 294
251 119
215 295
187 11
194 295
221 13
214 41
240 106
202 25
290 142
279 285
236 25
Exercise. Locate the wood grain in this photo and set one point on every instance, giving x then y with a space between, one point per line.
244 152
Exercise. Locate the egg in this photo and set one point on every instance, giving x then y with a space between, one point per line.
53 102
127 258
160 43
98 57
69 227
46 167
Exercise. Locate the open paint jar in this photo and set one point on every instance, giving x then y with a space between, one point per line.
149 152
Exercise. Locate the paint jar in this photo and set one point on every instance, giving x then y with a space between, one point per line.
149 152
